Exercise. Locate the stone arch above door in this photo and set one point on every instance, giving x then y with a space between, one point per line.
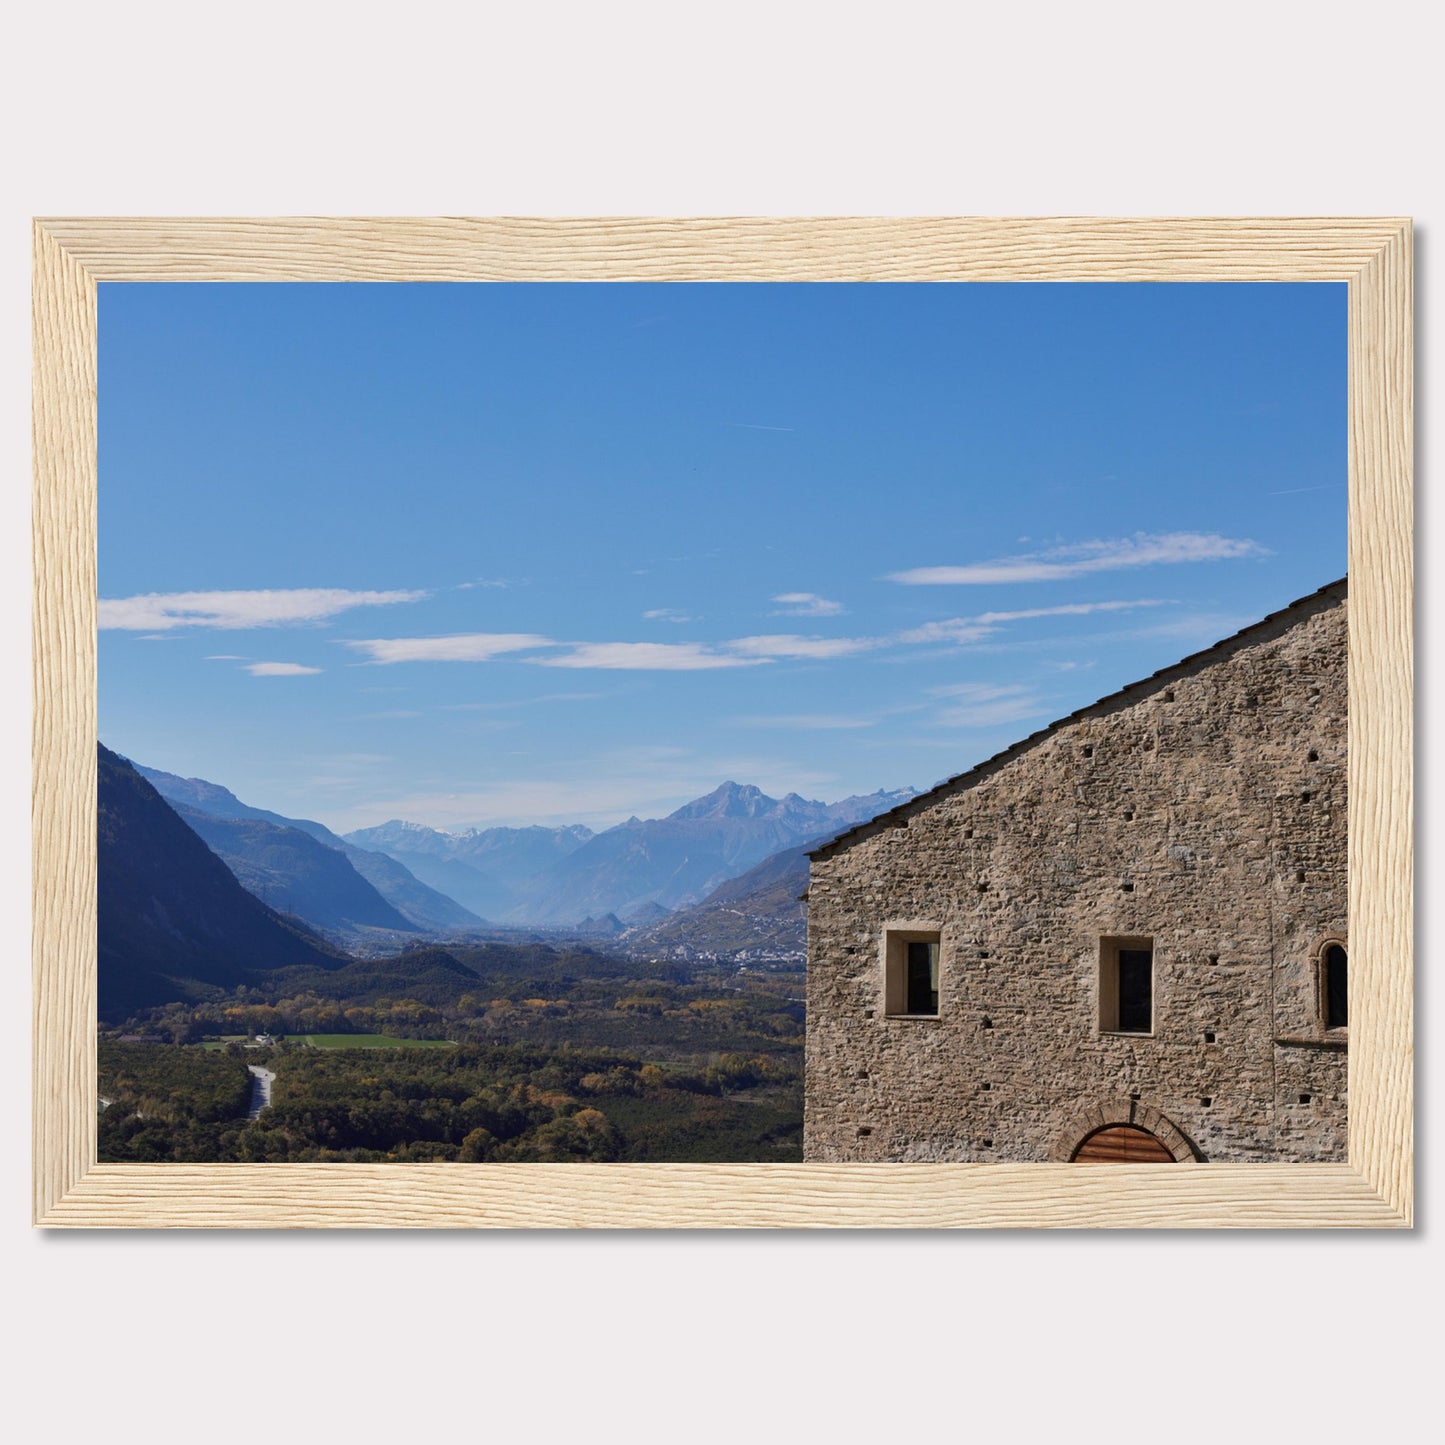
1107 1113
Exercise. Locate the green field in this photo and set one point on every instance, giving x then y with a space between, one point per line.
366 1041
337 1041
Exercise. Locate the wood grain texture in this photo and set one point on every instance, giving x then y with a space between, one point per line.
1381 724
1373 1190
1059 248
743 1196
63 760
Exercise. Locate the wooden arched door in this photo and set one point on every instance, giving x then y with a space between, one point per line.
1122 1144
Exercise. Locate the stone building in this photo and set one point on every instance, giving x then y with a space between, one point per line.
1121 938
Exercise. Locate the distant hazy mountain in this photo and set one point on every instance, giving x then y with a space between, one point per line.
680 859
172 917
428 908
495 871
758 910
783 877
607 926
296 873
263 860
646 914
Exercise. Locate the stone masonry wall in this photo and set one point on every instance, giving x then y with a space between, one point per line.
1217 790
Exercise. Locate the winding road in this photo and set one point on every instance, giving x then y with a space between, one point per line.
262 1079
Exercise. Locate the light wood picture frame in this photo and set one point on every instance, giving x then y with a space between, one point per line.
1373 1189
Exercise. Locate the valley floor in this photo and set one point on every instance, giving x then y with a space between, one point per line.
489 1055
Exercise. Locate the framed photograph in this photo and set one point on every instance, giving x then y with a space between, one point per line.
607 589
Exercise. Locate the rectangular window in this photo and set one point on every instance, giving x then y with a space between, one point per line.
1126 985
922 977
1136 991
910 962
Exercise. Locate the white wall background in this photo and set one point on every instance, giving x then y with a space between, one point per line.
783 108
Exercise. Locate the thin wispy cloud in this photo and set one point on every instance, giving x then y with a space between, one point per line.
806 604
516 702
954 630
758 426
225 657
808 722
646 657
280 669
1070 609
460 647
161 611
699 656
961 630
665 614
792 646
1082 558
985 705
500 582
1194 628
1197 627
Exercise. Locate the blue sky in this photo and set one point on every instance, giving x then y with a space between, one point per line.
564 553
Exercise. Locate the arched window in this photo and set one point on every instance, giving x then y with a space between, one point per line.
1335 986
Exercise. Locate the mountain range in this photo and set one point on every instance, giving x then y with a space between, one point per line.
758 912
492 871
560 876
302 867
720 875
172 918
295 873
